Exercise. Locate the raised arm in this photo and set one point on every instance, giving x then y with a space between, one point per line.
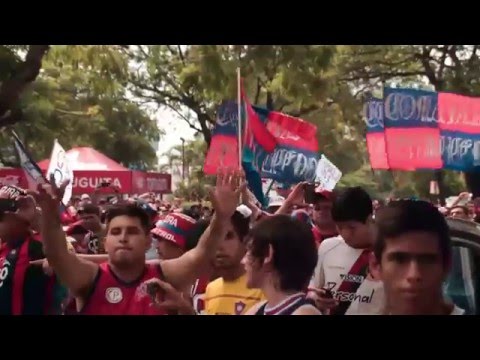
225 198
76 274
296 197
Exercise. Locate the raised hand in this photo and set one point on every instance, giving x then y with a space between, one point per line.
297 196
49 196
225 196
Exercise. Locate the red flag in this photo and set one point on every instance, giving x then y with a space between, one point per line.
256 129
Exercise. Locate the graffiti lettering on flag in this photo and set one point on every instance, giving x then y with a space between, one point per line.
287 164
410 108
373 116
412 137
227 119
296 155
459 113
459 123
460 151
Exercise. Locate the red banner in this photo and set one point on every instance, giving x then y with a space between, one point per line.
151 182
223 152
458 113
87 181
407 152
377 151
12 176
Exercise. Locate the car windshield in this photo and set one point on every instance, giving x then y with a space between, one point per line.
461 286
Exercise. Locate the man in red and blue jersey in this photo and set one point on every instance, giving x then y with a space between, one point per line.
24 288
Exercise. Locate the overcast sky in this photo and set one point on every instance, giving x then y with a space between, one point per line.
175 128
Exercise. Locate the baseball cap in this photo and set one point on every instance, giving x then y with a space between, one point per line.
85 197
322 193
174 227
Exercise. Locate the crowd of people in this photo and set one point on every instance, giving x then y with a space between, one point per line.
340 253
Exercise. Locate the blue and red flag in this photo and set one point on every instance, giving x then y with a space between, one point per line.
296 155
223 150
256 133
412 136
459 123
373 114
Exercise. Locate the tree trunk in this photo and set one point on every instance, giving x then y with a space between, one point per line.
12 88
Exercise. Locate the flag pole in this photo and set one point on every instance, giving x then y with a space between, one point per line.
239 125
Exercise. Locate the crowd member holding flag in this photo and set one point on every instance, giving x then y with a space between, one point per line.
118 286
24 288
341 284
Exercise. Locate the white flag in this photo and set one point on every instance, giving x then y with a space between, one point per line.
61 170
327 174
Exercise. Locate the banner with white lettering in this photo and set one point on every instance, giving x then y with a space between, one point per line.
30 167
60 168
412 136
328 175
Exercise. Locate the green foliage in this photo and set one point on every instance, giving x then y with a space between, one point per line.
98 96
80 99
192 156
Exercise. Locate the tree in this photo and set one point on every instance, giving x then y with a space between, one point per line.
80 98
193 80
452 68
15 76
196 184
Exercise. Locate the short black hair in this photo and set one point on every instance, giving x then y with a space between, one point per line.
294 249
193 236
404 216
241 224
353 204
130 210
88 208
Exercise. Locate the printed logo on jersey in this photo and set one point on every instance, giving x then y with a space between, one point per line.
239 307
141 291
352 278
4 271
93 244
114 295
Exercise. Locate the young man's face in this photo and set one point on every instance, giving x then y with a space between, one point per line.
355 233
168 250
322 212
412 270
459 213
230 251
126 241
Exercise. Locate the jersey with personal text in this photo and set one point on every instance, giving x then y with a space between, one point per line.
343 270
